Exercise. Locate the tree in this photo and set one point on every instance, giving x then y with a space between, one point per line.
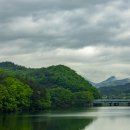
82 98
14 95
61 97
40 99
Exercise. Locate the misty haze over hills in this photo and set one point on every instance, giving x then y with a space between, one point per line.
114 88
111 81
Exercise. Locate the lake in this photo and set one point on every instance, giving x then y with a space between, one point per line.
100 118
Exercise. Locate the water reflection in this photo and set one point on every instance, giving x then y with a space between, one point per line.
67 120
111 118
14 122
108 118
61 124
50 121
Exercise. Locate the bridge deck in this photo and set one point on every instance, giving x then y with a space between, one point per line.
111 102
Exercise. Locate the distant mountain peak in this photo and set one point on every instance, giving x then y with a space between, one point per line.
112 78
112 81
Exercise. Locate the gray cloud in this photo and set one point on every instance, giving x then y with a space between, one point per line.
81 34
85 23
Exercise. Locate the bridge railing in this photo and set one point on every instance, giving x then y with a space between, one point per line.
111 102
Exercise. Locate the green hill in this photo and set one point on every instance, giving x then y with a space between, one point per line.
52 87
11 66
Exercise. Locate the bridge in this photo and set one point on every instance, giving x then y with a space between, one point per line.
111 102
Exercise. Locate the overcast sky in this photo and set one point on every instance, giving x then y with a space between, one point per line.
90 36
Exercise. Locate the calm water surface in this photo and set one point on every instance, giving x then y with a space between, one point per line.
103 118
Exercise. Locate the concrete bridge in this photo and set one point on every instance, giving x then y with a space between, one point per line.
111 102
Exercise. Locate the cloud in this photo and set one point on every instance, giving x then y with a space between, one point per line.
100 24
94 63
92 37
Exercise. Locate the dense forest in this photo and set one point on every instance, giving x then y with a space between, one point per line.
58 86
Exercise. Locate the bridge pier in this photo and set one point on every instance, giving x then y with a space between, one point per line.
128 103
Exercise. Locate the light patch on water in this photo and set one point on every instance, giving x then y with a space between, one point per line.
101 112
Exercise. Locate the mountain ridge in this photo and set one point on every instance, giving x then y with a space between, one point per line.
52 76
111 81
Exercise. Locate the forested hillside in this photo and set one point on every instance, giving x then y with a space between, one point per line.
58 86
118 92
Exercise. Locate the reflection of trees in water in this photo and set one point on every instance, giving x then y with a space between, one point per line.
14 122
19 122
61 123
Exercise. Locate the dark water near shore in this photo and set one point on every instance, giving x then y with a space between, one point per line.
102 118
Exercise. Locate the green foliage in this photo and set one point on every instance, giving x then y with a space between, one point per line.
82 98
96 93
63 76
61 97
11 66
43 88
14 94
40 99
